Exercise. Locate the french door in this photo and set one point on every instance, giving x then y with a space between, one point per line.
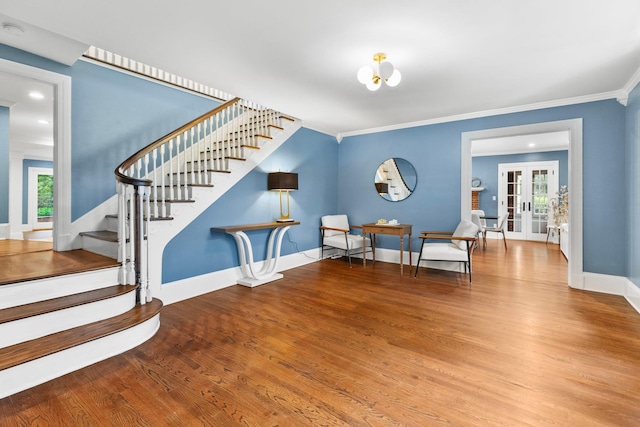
524 191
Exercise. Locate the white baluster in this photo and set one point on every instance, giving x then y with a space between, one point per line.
195 177
178 180
122 255
164 176
160 189
131 241
154 207
185 181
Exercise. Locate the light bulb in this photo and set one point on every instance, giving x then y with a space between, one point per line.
394 79
365 74
373 86
385 69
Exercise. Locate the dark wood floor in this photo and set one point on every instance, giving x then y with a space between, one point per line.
328 345
28 259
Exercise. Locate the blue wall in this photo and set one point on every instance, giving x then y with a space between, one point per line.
4 165
435 151
113 115
486 168
26 164
633 191
314 157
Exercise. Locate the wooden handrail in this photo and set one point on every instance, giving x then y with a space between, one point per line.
119 171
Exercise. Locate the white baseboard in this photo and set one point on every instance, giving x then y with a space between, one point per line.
603 283
4 231
632 294
194 286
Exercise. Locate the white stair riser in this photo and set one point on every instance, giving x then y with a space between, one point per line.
111 224
49 323
30 374
43 289
100 247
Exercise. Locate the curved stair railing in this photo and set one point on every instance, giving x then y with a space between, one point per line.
164 172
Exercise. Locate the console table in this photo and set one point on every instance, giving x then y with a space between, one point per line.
252 277
396 230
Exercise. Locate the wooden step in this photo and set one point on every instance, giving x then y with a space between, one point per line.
153 218
41 347
35 320
105 235
48 306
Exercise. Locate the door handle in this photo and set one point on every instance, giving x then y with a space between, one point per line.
529 206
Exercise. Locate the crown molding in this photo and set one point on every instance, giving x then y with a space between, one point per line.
632 83
619 95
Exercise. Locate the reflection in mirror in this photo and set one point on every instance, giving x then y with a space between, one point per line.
395 179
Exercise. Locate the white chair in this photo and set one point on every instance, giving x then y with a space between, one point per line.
477 217
499 228
335 232
456 246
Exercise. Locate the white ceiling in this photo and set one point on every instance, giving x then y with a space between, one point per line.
457 58
27 133
551 141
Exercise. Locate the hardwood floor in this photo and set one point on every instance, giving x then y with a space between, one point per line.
330 345
27 260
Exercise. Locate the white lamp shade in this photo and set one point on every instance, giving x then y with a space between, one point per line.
394 79
365 74
385 69
373 86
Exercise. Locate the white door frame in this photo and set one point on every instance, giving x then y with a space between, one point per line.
32 195
551 165
574 126
61 146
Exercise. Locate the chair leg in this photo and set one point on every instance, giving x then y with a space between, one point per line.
418 262
504 240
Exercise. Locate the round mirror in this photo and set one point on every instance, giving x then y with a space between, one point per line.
395 179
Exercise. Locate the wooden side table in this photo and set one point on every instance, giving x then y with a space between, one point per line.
253 277
395 230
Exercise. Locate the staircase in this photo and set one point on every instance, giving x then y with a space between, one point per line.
50 327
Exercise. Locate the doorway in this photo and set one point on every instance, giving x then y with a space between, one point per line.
524 192
61 84
574 128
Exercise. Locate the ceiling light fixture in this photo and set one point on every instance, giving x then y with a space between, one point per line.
36 95
13 29
384 70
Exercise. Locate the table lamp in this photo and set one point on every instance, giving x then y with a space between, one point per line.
283 181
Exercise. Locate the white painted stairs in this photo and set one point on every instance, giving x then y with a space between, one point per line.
50 327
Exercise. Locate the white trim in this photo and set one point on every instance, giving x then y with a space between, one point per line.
632 83
603 283
632 295
62 144
574 126
180 290
489 113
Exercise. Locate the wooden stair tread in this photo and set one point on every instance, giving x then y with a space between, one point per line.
34 349
173 200
152 218
106 235
41 307
46 264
